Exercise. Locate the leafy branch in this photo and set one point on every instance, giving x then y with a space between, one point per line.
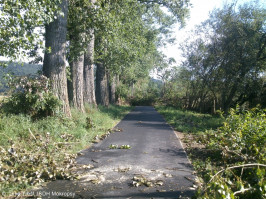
238 166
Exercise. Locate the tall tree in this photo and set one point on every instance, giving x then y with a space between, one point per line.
112 83
89 87
81 36
77 69
54 65
76 37
102 92
225 60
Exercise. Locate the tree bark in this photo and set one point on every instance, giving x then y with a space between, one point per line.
89 87
54 65
102 94
112 90
77 82
132 89
70 87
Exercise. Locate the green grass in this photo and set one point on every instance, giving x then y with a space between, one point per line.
193 126
189 122
239 141
76 133
103 119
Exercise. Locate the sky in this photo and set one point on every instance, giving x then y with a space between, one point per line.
198 13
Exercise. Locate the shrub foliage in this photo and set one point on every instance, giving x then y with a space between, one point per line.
240 173
31 96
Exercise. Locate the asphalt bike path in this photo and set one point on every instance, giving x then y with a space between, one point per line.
143 158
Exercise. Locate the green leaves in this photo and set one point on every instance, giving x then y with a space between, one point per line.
21 23
35 160
140 180
31 96
241 141
125 146
223 65
115 146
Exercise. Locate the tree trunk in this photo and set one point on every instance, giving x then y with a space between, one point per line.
77 82
112 90
102 94
54 65
118 100
70 86
228 102
214 106
132 86
89 87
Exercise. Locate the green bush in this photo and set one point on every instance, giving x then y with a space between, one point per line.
31 96
241 172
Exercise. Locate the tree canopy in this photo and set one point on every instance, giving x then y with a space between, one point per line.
225 62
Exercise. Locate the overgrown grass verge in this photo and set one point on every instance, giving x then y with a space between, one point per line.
189 122
34 151
230 160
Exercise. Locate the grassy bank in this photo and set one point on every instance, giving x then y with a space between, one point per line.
228 153
45 149
191 127
189 122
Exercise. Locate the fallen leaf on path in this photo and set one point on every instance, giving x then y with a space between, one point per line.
190 179
139 180
94 150
113 146
125 146
159 182
118 130
116 188
168 175
148 184
136 184
96 139
88 166
161 190
122 169
95 181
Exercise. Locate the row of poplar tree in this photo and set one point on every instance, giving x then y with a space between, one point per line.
120 37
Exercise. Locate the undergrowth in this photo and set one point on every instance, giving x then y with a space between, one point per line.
188 121
240 171
230 160
39 150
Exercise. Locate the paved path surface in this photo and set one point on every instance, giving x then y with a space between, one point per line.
156 159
